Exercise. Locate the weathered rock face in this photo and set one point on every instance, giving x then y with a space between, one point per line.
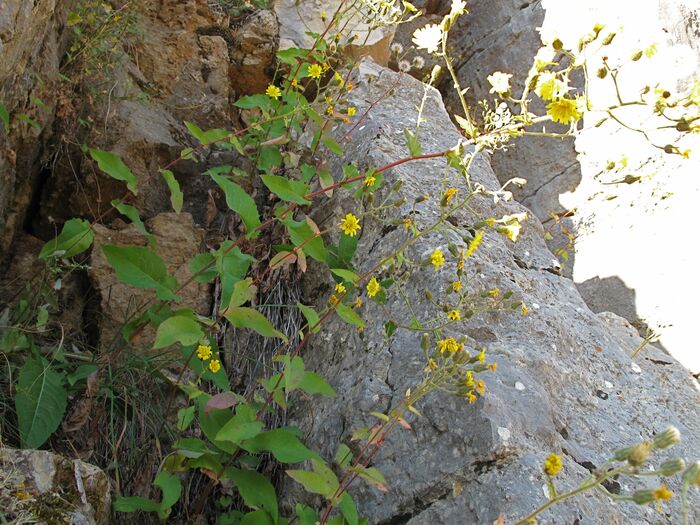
565 381
31 35
40 485
177 239
253 56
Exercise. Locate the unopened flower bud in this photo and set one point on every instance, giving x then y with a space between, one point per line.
608 39
669 148
435 73
671 467
602 72
636 56
643 497
622 454
397 185
667 438
452 249
691 476
682 126
558 44
639 454
428 295
425 342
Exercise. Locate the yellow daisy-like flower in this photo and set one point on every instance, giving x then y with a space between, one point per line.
428 37
564 111
315 71
480 387
369 181
373 287
474 244
662 493
481 357
349 86
471 398
352 111
449 194
357 303
456 286
454 315
295 83
494 292
407 223
493 367
553 464
432 365
338 79
350 225
333 300
469 379
549 87
273 91
437 259
340 288
203 352
500 82
524 310
214 365
329 110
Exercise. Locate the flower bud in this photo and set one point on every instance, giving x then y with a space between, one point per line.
428 295
397 185
452 249
636 56
639 454
671 467
622 454
643 497
691 476
667 438
608 39
683 126
602 72
425 342
557 44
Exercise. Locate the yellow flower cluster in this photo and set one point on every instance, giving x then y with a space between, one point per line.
454 315
449 194
350 225
204 353
553 464
474 244
449 345
273 91
456 286
373 287
369 181
315 71
437 259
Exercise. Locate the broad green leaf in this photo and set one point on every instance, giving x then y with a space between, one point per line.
256 490
4 117
178 329
40 402
286 189
243 291
242 317
258 517
170 485
344 456
306 515
240 202
346 275
203 267
141 268
211 423
348 509
321 481
192 447
176 195
311 317
113 166
269 158
184 418
135 503
332 145
347 246
244 425
371 475
293 373
206 138
284 445
349 315
231 265
75 237
80 373
291 55
312 383
253 101
303 235
133 215
412 142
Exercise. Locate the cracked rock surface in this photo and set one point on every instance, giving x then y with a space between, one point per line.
565 381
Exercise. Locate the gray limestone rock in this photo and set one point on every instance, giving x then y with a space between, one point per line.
565 381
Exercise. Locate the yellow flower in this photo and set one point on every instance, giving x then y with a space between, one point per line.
203 352
460 264
349 86
352 111
468 379
333 300
449 193
338 78
329 110
494 292
428 37
432 365
315 71
437 259
474 244
471 398
373 287
350 225
549 87
214 365
369 181
500 82
662 493
456 286
295 83
273 91
553 464
564 111
524 310
493 367
481 357
454 315
449 345
340 288
480 387
357 303
407 223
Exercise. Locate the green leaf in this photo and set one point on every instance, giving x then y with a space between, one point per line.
332 145
240 202
141 268
346 275
301 233
306 515
412 143
349 315
321 481
113 166
290 56
293 373
344 456
135 503
243 291
178 329
206 138
311 317
269 158
242 317
231 265
371 475
348 509
258 517
170 485
192 448
312 383
26 118
389 328
255 489
212 422
133 215
203 267
284 445
176 195
347 246
80 373
5 117
184 418
75 237
40 402
244 425
253 101
286 189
